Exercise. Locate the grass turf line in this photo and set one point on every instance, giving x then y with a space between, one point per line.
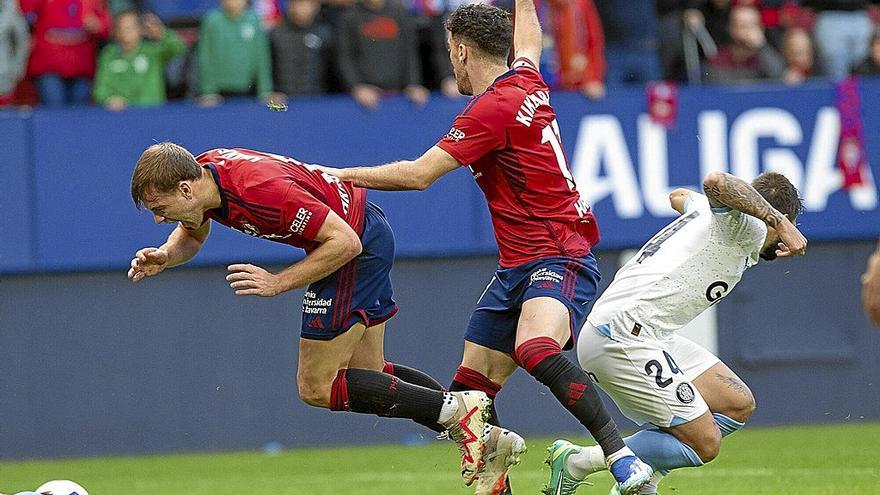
821 460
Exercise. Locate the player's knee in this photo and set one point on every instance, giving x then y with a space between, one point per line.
708 445
743 408
313 394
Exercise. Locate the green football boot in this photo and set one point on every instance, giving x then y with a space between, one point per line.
561 481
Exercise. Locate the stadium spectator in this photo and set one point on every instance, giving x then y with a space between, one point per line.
377 53
580 46
14 47
871 65
843 30
301 50
233 54
66 34
748 56
797 50
430 18
131 70
871 287
631 40
671 15
715 16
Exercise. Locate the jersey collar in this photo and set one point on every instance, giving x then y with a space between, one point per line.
504 76
223 211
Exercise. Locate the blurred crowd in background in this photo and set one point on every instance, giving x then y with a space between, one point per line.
130 53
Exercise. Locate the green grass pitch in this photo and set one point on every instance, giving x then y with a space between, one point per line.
843 459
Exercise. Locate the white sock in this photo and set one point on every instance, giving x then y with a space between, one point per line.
450 406
620 454
586 462
651 487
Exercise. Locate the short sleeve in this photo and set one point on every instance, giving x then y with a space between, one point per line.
732 227
301 213
526 68
476 131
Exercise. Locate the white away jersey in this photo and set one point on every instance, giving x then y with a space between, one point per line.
688 266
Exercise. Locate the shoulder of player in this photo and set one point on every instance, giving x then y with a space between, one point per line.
499 102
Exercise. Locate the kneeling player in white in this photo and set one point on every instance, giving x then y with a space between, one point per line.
629 345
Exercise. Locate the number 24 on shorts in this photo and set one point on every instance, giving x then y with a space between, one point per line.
655 369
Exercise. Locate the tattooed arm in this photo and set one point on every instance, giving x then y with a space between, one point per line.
731 191
727 190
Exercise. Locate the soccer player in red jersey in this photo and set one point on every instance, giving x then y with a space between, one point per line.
349 252
508 136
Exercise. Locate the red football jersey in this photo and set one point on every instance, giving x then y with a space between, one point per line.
279 198
510 139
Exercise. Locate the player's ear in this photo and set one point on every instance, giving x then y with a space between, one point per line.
462 53
185 189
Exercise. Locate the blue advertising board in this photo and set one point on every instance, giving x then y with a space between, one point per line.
78 207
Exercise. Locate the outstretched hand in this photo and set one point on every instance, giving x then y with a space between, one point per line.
147 262
792 242
251 280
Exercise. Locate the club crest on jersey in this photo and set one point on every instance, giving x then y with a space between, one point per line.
530 105
455 134
545 275
685 393
250 229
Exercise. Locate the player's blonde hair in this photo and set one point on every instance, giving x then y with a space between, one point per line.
160 168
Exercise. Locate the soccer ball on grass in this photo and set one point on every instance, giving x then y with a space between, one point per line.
61 487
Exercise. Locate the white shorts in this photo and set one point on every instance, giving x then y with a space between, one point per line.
649 378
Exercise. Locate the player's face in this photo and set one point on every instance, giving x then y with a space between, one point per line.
176 206
457 56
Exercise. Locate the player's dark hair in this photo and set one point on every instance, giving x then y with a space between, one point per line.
780 193
486 27
160 168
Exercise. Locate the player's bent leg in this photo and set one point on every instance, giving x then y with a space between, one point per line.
485 370
320 362
726 395
369 354
545 325
701 434
503 447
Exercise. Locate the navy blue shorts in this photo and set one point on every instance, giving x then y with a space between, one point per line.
360 291
571 281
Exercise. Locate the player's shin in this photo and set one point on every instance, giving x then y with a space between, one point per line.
726 424
374 392
416 377
542 358
468 379
662 451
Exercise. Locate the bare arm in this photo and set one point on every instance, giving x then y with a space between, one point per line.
406 175
339 244
181 246
728 190
678 199
527 40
